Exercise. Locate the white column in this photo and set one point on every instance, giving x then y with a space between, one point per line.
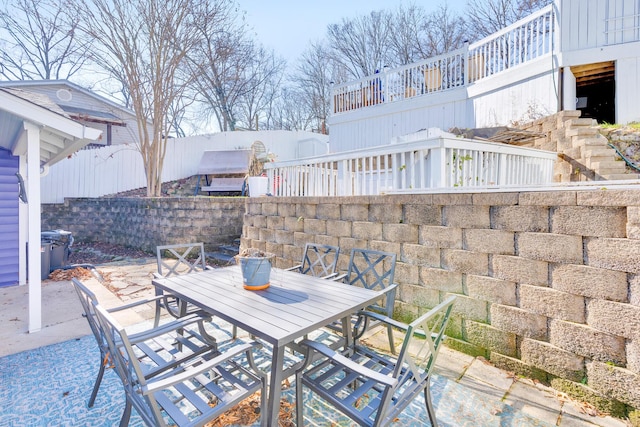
569 96
23 228
33 193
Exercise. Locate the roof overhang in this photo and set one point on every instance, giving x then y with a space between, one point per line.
60 136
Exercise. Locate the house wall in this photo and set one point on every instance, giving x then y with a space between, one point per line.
512 97
627 90
588 32
548 283
144 223
378 124
9 219
584 25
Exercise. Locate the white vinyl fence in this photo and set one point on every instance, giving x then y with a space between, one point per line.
109 170
435 163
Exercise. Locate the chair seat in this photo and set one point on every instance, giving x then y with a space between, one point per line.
191 389
373 388
357 396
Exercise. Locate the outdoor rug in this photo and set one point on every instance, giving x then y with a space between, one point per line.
50 386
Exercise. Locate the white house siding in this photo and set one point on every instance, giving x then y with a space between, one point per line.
594 23
520 101
377 125
9 242
627 90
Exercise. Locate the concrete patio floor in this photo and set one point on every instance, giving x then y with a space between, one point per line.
471 391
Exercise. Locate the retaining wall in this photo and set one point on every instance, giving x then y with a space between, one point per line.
145 223
548 283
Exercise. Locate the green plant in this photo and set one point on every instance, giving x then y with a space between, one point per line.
606 125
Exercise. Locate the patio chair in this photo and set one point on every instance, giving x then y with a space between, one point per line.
373 270
174 260
152 343
373 388
318 260
192 392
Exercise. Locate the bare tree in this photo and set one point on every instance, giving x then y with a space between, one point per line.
486 17
289 111
236 78
361 44
264 76
445 31
39 42
313 78
143 44
407 38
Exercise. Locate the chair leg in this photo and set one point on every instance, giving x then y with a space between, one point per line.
391 343
427 399
156 320
299 403
235 332
96 386
126 415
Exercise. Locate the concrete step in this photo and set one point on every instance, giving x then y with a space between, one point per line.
592 152
563 116
593 142
581 131
224 254
621 176
607 164
580 122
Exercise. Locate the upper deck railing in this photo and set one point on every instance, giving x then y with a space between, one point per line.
434 163
521 42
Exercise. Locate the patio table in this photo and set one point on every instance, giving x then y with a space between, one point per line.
293 306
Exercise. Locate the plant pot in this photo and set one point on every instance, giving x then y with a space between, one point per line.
258 186
256 272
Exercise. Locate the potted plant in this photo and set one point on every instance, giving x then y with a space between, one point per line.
255 266
256 179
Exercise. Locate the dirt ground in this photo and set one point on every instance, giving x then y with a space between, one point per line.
100 253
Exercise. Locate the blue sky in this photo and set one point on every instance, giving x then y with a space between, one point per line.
287 26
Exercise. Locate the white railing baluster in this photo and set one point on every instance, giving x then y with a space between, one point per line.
430 163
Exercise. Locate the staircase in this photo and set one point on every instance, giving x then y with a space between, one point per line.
585 153
224 254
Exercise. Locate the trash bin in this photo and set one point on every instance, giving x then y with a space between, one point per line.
45 260
61 242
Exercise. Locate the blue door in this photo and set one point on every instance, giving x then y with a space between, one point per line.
8 219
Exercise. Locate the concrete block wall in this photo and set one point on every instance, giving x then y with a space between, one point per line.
144 223
548 283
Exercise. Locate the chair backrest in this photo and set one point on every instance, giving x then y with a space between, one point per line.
423 340
371 269
179 259
127 365
319 260
88 300
188 380
417 357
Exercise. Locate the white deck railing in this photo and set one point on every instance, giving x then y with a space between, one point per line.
435 163
521 42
